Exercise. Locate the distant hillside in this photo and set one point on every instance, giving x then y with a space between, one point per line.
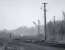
24 32
29 33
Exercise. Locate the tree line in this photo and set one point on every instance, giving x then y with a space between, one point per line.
56 31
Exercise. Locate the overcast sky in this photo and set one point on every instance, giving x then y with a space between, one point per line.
16 13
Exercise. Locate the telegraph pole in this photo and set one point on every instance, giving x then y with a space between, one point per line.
54 19
44 10
54 29
10 36
38 26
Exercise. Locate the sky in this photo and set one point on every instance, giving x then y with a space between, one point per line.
17 13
